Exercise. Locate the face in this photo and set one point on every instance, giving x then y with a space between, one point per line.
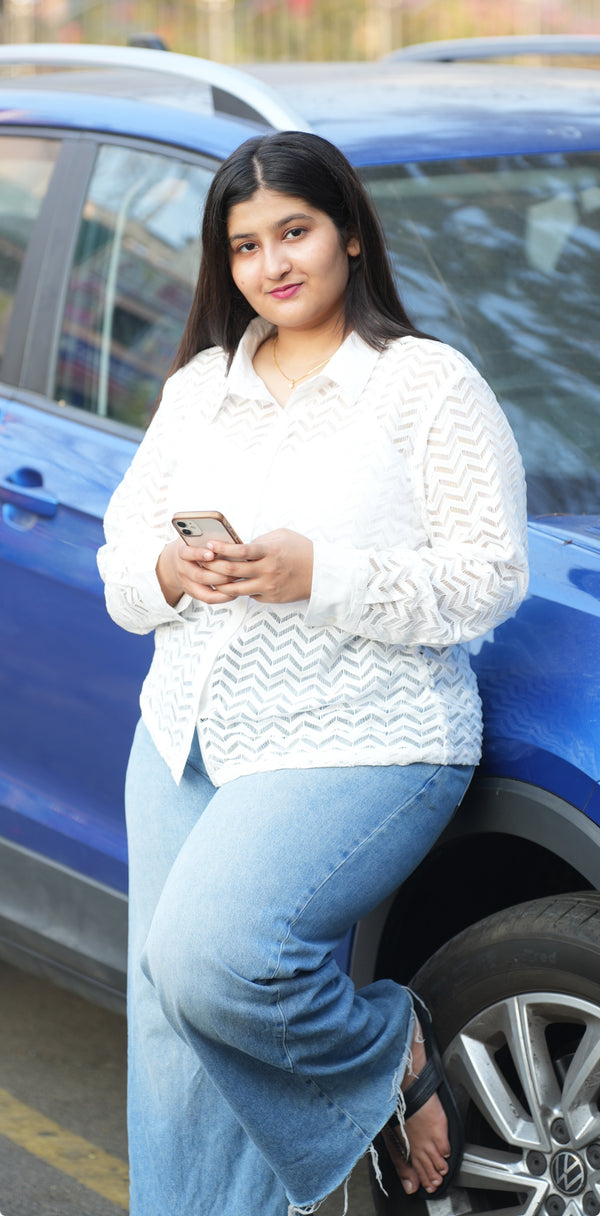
288 260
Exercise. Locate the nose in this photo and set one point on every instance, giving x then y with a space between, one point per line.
277 261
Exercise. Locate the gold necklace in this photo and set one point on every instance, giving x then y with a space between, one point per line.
310 372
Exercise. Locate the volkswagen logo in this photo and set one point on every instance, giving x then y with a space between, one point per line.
568 1173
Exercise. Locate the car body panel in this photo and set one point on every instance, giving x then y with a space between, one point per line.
69 677
382 113
539 675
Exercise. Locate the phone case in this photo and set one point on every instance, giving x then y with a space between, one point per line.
198 527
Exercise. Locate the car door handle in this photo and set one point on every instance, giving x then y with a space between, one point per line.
24 489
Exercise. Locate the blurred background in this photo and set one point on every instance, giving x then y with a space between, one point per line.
238 31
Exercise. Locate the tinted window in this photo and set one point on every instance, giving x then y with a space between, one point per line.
502 259
132 281
25 170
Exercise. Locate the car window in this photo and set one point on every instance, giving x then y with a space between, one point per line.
501 258
132 281
25 170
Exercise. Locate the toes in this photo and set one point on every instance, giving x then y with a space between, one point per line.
423 1169
427 1132
436 1161
409 1178
430 1175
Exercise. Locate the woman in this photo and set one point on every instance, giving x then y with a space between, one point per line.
310 721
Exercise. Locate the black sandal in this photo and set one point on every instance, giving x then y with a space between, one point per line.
432 1079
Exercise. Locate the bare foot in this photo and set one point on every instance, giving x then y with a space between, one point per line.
427 1132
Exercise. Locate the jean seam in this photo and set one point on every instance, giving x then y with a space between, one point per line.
340 1109
284 1033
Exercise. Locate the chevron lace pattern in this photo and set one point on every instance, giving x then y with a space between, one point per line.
413 494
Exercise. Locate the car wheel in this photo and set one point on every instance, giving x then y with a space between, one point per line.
515 1000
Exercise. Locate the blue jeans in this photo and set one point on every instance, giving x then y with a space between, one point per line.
258 1076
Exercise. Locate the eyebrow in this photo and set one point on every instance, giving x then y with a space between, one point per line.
297 215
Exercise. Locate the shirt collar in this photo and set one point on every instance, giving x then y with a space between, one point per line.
242 380
349 368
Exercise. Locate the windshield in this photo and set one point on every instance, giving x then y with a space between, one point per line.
501 258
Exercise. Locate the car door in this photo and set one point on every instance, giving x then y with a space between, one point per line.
99 286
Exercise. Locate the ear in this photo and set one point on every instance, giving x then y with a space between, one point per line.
353 247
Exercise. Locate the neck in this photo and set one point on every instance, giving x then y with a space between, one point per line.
299 349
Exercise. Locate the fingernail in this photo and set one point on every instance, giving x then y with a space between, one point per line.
408 1186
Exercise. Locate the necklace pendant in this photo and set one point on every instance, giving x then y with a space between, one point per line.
292 383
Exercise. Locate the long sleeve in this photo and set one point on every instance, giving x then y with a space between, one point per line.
471 571
137 527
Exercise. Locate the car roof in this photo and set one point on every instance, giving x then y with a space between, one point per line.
377 112
387 110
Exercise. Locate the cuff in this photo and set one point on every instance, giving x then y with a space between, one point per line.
149 592
338 586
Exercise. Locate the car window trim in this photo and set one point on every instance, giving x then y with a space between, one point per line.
18 325
39 401
42 286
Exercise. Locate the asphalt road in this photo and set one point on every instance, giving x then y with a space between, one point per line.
62 1103
63 1143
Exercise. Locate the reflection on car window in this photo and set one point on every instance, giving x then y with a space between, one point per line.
132 282
501 258
25 170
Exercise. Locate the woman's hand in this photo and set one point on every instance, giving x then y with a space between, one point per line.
180 570
275 568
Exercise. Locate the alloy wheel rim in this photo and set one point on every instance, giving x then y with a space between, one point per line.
526 1076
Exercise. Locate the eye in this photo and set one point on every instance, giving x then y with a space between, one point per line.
247 247
294 233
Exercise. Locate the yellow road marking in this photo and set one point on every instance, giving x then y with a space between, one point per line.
71 1154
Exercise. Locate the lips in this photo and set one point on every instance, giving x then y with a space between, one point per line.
286 292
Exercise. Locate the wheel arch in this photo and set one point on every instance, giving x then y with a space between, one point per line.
510 842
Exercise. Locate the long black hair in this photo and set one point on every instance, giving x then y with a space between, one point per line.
302 166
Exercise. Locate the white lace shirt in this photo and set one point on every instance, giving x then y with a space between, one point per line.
403 471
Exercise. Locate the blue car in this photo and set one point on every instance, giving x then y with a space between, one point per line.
487 180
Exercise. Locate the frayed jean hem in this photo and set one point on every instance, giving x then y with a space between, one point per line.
396 1094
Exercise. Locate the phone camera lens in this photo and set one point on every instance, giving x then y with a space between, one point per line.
187 531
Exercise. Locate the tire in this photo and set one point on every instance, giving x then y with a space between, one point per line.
515 1001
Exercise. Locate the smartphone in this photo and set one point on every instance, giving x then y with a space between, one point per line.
198 527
